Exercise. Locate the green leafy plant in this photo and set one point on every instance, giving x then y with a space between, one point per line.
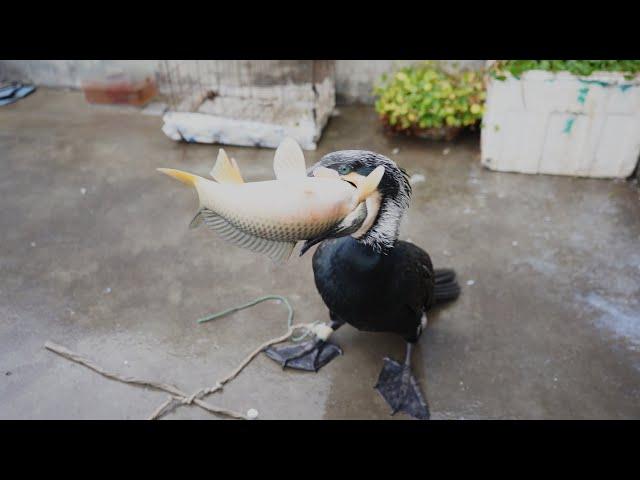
424 96
582 68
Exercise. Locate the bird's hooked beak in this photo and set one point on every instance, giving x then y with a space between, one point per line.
351 222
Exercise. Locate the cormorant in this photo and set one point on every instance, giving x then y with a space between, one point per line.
373 281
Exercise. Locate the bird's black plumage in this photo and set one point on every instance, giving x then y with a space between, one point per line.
373 281
373 291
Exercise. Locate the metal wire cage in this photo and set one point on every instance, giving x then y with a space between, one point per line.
296 96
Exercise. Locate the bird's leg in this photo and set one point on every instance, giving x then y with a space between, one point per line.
311 355
400 389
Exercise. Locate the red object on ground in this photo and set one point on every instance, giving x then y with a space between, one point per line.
120 89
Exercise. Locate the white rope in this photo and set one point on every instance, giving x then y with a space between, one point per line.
178 397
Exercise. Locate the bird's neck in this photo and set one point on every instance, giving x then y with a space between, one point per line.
385 228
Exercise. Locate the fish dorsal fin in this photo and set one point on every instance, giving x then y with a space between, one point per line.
235 166
288 161
226 170
369 184
277 251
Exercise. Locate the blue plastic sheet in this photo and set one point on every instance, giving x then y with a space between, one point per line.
10 93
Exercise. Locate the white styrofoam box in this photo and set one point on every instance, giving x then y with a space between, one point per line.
561 124
204 128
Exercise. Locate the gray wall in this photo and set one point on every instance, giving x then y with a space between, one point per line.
354 78
67 73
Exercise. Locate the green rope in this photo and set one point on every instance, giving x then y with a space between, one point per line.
255 302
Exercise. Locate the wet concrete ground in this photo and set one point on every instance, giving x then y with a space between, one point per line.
95 254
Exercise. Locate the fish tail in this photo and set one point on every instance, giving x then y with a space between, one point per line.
202 186
184 177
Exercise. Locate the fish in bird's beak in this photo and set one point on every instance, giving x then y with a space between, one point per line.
353 222
271 216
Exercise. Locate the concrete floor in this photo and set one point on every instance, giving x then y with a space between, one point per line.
96 255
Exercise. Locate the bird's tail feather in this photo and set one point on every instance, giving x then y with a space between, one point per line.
447 287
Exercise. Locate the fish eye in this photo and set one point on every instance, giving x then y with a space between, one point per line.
344 169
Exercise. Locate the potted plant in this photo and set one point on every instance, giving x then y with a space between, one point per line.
426 101
563 117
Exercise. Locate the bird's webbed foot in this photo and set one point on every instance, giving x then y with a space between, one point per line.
311 355
401 391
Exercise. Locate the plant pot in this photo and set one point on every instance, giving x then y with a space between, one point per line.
562 124
434 133
440 133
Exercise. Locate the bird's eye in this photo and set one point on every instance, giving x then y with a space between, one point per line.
344 169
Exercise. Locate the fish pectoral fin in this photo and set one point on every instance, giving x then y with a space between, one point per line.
226 170
288 161
277 251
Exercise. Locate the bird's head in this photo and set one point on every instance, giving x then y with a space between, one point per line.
378 224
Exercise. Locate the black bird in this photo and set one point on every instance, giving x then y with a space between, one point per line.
373 281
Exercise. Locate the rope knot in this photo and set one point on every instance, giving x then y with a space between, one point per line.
321 330
189 400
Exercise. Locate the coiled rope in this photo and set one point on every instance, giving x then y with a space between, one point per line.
177 397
